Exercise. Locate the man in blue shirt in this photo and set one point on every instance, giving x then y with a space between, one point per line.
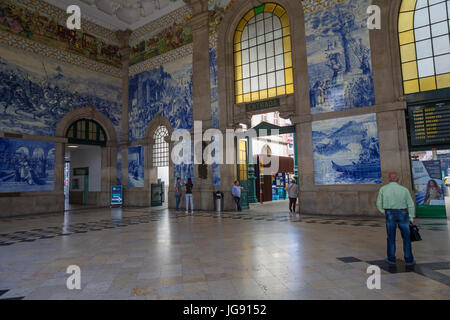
236 192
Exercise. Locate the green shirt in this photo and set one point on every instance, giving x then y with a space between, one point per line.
394 196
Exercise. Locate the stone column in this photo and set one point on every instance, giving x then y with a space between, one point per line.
124 37
203 188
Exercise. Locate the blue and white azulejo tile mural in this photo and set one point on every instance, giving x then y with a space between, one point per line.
166 90
136 167
26 165
338 54
346 151
214 106
36 93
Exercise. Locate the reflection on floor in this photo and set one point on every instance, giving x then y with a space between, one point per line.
140 253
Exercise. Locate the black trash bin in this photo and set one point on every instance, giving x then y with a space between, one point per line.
218 201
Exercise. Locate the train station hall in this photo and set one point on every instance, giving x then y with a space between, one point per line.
225 150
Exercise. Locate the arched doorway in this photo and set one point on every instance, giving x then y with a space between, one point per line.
159 168
161 163
83 161
89 157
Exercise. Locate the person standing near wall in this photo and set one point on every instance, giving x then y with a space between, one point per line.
178 193
396 203
189 185
292 190
236 192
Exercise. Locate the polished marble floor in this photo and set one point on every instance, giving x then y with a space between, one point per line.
263 253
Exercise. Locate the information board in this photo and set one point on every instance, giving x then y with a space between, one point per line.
430 124
116 195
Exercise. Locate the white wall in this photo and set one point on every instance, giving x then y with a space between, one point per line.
88 156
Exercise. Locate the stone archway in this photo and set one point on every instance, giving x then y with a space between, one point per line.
151 172
297 103
108 153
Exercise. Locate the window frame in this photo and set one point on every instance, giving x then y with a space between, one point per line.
411 80
238 79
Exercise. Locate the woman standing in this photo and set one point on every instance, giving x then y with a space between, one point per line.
292 190
189 185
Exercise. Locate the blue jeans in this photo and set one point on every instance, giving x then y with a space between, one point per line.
177 199
238 203
400 218
189 199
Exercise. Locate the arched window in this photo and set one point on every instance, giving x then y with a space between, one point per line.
262 54
160 148
423 27
86 131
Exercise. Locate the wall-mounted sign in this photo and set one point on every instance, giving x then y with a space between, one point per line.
430 124
81 171
116 195
260 105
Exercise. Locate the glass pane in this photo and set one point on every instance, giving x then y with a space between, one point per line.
268 25
261 51
253 69
244 45
442 64
424 49
252 42
426 67
431 2
280 78
441 45
422 33
245 33
421 18
269 49
279 62
271 80
421 4
439 29
260 39
277 34
259 17
270 64
438 12
246 71
278 46
246 83
262 66
269 36
260 28
255 84
276 23
245 56
253 54
251 31
262 82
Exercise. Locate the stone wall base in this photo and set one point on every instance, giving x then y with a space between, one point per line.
340 203
31 204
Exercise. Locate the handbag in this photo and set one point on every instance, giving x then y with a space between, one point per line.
414 231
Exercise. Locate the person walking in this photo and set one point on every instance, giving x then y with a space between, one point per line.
292 190
178 193
236 192
189 185
396 203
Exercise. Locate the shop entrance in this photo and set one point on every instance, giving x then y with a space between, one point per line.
265 183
